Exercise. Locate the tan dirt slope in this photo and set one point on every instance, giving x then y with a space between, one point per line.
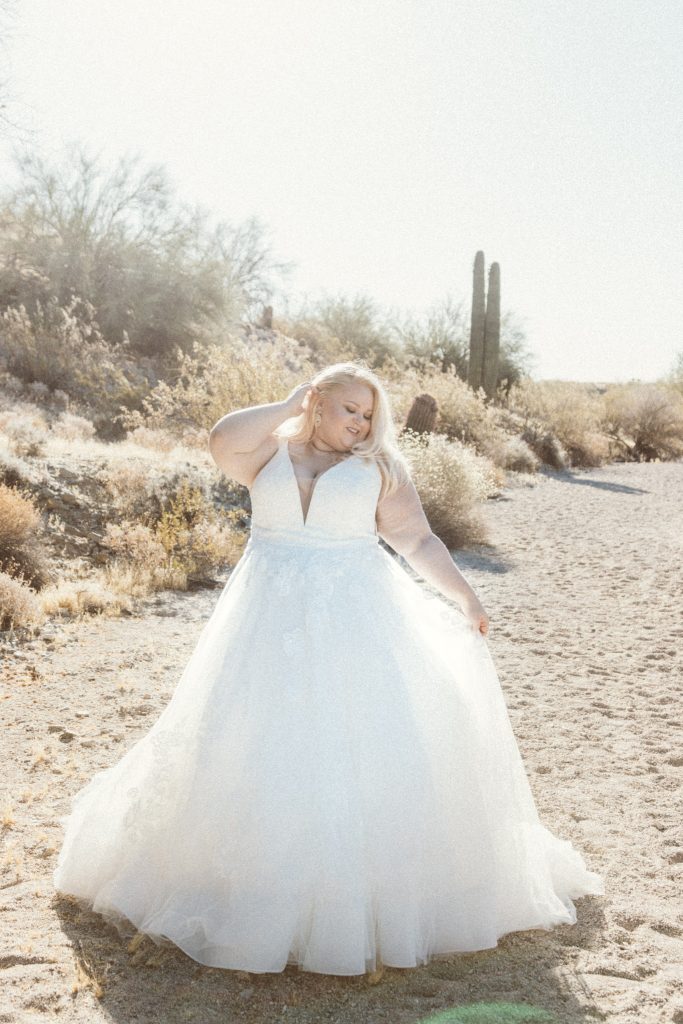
583 586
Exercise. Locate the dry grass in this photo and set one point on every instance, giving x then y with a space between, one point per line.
142 485
156 440
7 819
25 427
12 863
561 421
90 596
23 553
644 421
20 608
137 580
88 977
61 348
15 471
217 378
39 755
188 540
71 427
452 481
463 414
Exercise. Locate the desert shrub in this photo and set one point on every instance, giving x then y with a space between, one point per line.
195 437
644 421
10 386
14 472
463 415
513 453
23 553
545 445
75 598
435 339
323 346
19 606
26 429
452 481
357 324
71 427
28 442
189 540
215 380
134 542
61 348
156 440
158 271
141 490
194 536
560 411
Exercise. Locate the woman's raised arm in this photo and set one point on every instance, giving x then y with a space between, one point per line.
238 442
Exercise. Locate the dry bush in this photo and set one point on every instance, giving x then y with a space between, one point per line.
70 427
452 481
76 598
60 347
134 542
196 438
339 327
159 271
29 444
513 453
644 421
545 445
463 414
190 540
142 489
26 429
156 440
19 606
193 535
674 379
567 411
7 819
216 379
23 553
323 345
14 472
135 579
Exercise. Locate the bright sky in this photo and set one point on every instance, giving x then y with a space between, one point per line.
383 142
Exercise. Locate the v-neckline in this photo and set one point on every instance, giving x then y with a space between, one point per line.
316 481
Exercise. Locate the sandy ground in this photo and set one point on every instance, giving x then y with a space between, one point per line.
582 583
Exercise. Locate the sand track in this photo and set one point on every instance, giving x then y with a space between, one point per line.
583 585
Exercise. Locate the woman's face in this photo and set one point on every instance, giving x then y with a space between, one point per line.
346 415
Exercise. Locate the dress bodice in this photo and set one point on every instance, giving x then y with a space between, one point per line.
342 505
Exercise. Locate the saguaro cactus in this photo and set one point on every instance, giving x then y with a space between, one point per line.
267 317
477 328
492 333
422 415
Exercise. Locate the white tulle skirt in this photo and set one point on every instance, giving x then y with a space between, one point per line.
334 784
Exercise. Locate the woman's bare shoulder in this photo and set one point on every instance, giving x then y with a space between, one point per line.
244 467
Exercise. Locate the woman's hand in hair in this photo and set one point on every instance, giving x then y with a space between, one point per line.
298 399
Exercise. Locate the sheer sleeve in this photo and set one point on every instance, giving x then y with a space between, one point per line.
402 523
401 520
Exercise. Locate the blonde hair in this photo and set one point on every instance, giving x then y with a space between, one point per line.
380 444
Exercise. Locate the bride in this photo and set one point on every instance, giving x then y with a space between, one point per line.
335 783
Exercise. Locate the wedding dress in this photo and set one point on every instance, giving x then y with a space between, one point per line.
335 782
